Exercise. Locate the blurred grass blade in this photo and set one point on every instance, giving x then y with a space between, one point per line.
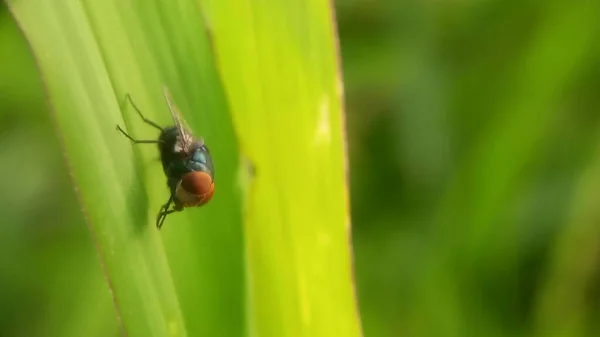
470 237
279 66
90 54
561 309
86 112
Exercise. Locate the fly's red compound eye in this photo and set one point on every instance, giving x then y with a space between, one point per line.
200 185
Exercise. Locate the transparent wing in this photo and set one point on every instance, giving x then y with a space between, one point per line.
184 134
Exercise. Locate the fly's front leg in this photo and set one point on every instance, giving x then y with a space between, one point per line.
164 211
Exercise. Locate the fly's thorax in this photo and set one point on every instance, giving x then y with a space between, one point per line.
171 142
169 158
168 138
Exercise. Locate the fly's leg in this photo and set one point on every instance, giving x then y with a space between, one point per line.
162 216
146 120
137 141
164 211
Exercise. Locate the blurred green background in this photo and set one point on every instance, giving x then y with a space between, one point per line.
474 143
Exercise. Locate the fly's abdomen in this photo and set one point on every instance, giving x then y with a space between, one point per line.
201 160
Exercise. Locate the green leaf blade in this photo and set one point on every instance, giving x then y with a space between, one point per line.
188 278
281 76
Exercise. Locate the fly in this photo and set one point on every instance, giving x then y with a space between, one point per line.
186 162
